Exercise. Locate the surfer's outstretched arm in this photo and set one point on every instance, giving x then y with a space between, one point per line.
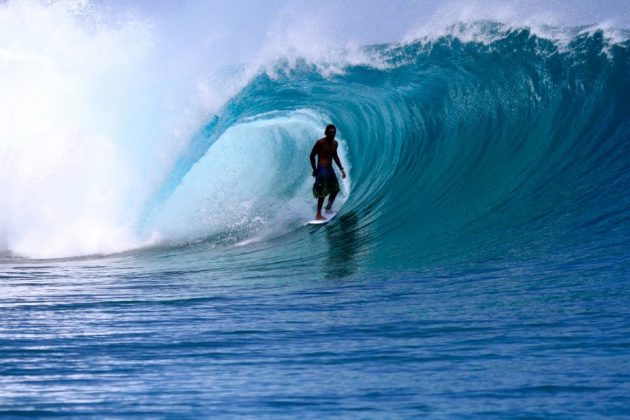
338 162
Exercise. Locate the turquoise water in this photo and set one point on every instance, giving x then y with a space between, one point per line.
478 265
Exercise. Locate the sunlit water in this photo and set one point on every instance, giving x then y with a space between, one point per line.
478 265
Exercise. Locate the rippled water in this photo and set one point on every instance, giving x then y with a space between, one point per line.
190 334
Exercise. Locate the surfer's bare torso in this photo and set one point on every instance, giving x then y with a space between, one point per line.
326 151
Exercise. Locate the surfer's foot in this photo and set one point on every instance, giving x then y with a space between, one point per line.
320 217
328 208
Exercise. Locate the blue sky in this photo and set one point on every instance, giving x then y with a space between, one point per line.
371 20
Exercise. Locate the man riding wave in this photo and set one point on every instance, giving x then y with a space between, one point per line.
326 183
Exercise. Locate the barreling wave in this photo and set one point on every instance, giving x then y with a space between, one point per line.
503 144
483 141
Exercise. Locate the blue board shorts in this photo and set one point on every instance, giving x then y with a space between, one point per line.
325 182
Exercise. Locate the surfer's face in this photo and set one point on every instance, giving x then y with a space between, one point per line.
330 132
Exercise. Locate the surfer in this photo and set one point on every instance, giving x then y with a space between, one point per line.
326 183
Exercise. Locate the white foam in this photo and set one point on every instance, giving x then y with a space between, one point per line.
468 21
68 180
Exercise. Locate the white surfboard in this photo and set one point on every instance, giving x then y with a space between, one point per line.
328 216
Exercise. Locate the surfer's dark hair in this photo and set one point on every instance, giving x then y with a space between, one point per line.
329 126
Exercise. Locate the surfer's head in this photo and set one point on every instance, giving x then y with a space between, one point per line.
330 131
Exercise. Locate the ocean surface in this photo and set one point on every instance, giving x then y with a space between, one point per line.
479 265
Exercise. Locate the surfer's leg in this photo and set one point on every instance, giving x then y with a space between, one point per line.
333 189
331 200
320 203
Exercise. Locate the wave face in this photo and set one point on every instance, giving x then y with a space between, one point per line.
504 144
